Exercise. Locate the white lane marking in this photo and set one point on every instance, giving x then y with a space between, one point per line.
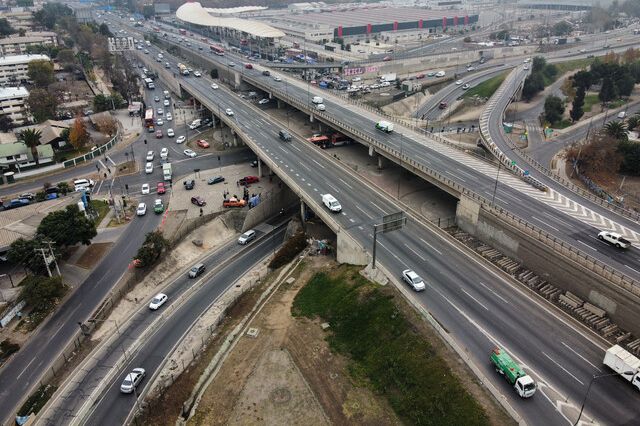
363 212
99 186
378 207
562 368
415 252
580 356
455 175
634 270
111 161
349 186
390 252
500 199
545 223
351 220
333 187
431 247
587 245
556 219
27 367
296 148
305 167
477 301
493 292
320 165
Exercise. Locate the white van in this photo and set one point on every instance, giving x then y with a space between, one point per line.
440 74
195 124
331 203
317 100
83 184
622 114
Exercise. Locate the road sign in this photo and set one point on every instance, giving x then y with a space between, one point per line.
119 44
393 222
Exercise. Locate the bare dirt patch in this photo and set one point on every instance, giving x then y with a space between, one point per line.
93 254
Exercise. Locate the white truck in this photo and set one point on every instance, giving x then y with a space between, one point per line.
615 239
624 363
166 171
385 126
388 77
195 124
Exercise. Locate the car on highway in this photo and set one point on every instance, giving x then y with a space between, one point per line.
158 134
197 74
229 112
145 189
148 168
202 143
170 133
158 300
141 210
386 58
247 237
442 105
471 68
431 74
266 73
169 117
189 184
263 101
526 66
248 66
160 111
321 107
277 78
158 207
614 239
166 102
232 64
159 122
160 188
214 86
420 76
196 270
413 279
181 139
189 153
458 82
198 201
465 86
132 380
215 179
164 153
156 98
440 74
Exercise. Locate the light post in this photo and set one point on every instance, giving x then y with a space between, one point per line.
594 378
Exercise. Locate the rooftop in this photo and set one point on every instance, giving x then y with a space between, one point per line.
25 39
13 92
22 59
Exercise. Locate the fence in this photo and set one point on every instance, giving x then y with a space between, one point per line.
93 154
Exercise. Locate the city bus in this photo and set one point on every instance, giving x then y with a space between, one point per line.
218 50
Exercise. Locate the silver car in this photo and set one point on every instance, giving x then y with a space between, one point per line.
132 380
413 279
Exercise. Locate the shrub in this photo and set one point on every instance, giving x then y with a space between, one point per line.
289 250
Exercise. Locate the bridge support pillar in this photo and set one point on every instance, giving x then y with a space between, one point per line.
303 211
260 168
381 162
467 214
311 118
280 104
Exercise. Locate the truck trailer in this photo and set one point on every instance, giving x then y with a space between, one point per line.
513 373
385 126
624 363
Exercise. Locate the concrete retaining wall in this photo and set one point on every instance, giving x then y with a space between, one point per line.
270 206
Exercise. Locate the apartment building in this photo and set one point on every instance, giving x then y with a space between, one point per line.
13 103
13 68
19 19
17 45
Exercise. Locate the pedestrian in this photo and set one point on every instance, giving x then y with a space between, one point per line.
105 175
201 212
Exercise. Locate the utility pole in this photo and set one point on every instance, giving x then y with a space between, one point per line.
54 258
44 257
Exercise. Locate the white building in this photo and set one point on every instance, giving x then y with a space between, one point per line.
13 103
13 69
16 45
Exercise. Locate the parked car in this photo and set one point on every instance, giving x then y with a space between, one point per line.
190 153
132 380
248 180
169 117
160 111
233 202
198 201
150 155
157 301
215 179
141 210
156 98
160 188
166 103
413 279
202 143
248 236
189 184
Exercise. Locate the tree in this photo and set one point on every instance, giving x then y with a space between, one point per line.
607 91
104 30
42 104
25 253
562 28
553 109
633 122
630 152
67 58
78 135
578 103
41 73
532 85
51 13
31 138
22 32
101 103
107 125
599 156
148 11
214 73
617 130
624 84
582 79
5 27
6 123
151 249
41 293
68 227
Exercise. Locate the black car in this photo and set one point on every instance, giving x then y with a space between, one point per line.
215 179
284 135
189 184
198 201
267 73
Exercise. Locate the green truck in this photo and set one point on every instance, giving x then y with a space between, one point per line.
505 365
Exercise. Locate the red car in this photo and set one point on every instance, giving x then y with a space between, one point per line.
159 134
248 66
386 58
160 189
248 179
419 76
202 143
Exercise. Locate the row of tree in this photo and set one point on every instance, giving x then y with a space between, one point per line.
541 74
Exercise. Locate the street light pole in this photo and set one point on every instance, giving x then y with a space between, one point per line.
594 378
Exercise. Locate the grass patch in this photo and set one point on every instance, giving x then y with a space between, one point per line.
101 207
36 401
589 102
386 353
574 64
487 87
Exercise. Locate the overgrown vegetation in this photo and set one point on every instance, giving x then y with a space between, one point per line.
7 347
36 401
385 351
289 250
151 249
487 88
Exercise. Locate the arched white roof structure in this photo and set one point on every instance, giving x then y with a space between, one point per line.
194 13
232 10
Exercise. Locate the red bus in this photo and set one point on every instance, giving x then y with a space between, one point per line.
217 50
148 117
319 140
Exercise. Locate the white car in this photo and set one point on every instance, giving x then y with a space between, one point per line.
160 111
356 79
321 107
263 101
148 168
145 189
440 74
277 78
458 83
615 239
164 153
166 102
214 86
132 380
159 122
465 86
157 301
170 133
246 237
189 153
232 64
470 68
150 155
169 117
181 139
229 112
197 74
413 279
141 210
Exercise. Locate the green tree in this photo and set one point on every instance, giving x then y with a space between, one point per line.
5 27
104 30
630 152
41 293
625 83
42 104
617 130
68 227
633 122
532 85
553 109
6 123
67 58
151 249
41 73
26 253
607 91
101 103
31 138
562 28
578 102
51 13
214 73
582 79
